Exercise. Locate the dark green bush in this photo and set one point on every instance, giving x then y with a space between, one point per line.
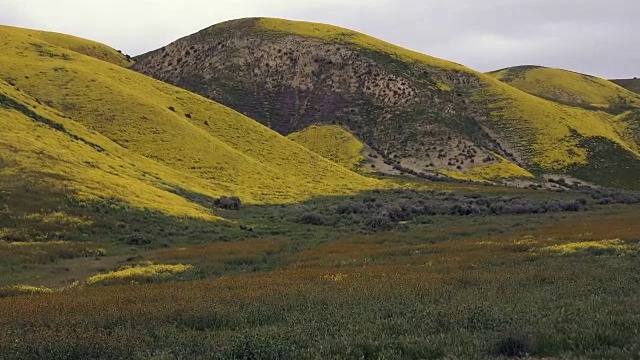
228 203
312 219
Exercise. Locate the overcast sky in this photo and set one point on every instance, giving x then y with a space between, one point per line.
591 36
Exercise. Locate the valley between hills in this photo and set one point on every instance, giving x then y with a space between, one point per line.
275 189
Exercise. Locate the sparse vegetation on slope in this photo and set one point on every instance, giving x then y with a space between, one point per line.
419 113
502 170
548 134
339 35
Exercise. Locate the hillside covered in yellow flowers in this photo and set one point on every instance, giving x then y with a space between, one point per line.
74 118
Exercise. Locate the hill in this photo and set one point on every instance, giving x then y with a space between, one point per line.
76 123
333 143
421 114
629 84
570 88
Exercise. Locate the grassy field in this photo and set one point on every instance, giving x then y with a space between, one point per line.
481 272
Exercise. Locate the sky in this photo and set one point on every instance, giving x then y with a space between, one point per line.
589 36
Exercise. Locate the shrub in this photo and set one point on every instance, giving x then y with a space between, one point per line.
514 346
228 203
312 219
188 116
351 208
172 108
574 206
400 213
378 223
136 240
465 209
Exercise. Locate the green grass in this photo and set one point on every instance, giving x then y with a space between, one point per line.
111 280
425 290
614 166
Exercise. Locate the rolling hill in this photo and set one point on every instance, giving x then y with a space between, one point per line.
570 88
421 114
76 123
629 84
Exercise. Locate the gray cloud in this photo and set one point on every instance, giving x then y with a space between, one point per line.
589 36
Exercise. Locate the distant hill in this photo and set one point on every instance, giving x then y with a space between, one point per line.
421 114
570 88
76 121
629 84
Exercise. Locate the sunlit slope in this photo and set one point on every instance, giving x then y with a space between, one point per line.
40 146
175 128
332 142
568 87
68 42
